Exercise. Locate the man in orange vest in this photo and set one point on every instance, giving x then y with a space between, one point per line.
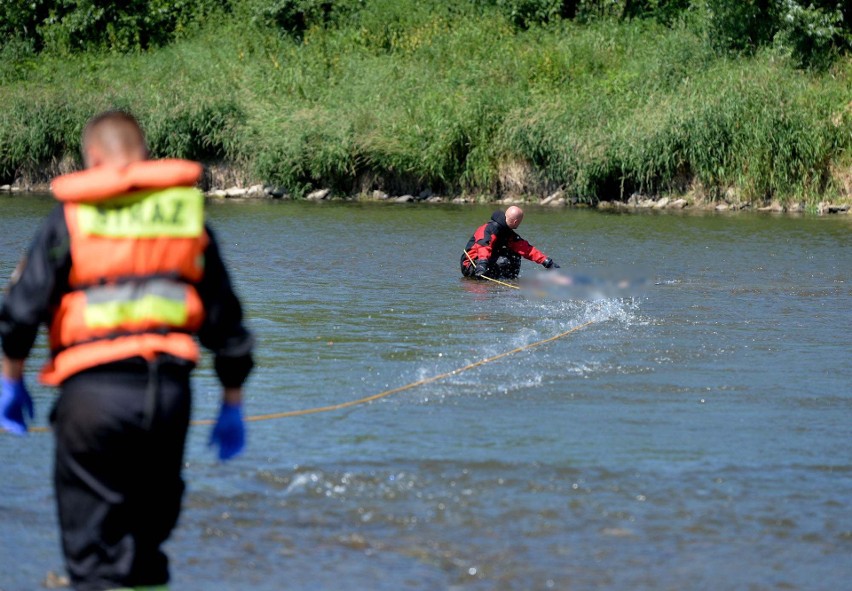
126 273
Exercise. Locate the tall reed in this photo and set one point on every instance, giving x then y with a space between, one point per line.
455 97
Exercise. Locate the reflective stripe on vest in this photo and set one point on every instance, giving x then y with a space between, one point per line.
160 301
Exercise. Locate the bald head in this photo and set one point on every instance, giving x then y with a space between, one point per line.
114 139
514 216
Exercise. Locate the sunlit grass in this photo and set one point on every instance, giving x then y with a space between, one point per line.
408 98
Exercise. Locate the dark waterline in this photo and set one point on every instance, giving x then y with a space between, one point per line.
695 436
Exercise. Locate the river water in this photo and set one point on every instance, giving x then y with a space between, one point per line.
697 434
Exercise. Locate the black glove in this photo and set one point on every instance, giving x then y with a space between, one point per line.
549 264
481 268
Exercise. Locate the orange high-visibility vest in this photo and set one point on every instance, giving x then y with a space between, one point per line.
137 243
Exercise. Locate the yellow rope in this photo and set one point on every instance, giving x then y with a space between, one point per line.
331 407
308 411
487 277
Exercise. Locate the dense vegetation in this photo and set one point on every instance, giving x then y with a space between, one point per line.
600 98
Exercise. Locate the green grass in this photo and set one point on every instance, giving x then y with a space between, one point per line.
404 96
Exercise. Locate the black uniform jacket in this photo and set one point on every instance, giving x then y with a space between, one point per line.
42 279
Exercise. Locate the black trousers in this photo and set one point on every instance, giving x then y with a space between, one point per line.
120 432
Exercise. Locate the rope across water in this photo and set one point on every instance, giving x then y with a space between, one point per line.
392 391
423 382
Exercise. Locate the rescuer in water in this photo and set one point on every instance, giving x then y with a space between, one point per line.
125 272
496 249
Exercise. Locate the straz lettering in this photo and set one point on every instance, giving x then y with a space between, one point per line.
141 213
170 214
178 208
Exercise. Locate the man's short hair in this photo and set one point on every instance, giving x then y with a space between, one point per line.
116 131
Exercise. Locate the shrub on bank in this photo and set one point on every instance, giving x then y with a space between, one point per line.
455 97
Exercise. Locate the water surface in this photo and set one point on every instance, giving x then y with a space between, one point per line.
694 436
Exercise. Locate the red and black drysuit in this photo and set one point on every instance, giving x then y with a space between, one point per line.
499 249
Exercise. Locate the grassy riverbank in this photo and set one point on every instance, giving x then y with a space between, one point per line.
454 97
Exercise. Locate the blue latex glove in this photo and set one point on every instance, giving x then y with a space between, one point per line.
15 401
229 433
